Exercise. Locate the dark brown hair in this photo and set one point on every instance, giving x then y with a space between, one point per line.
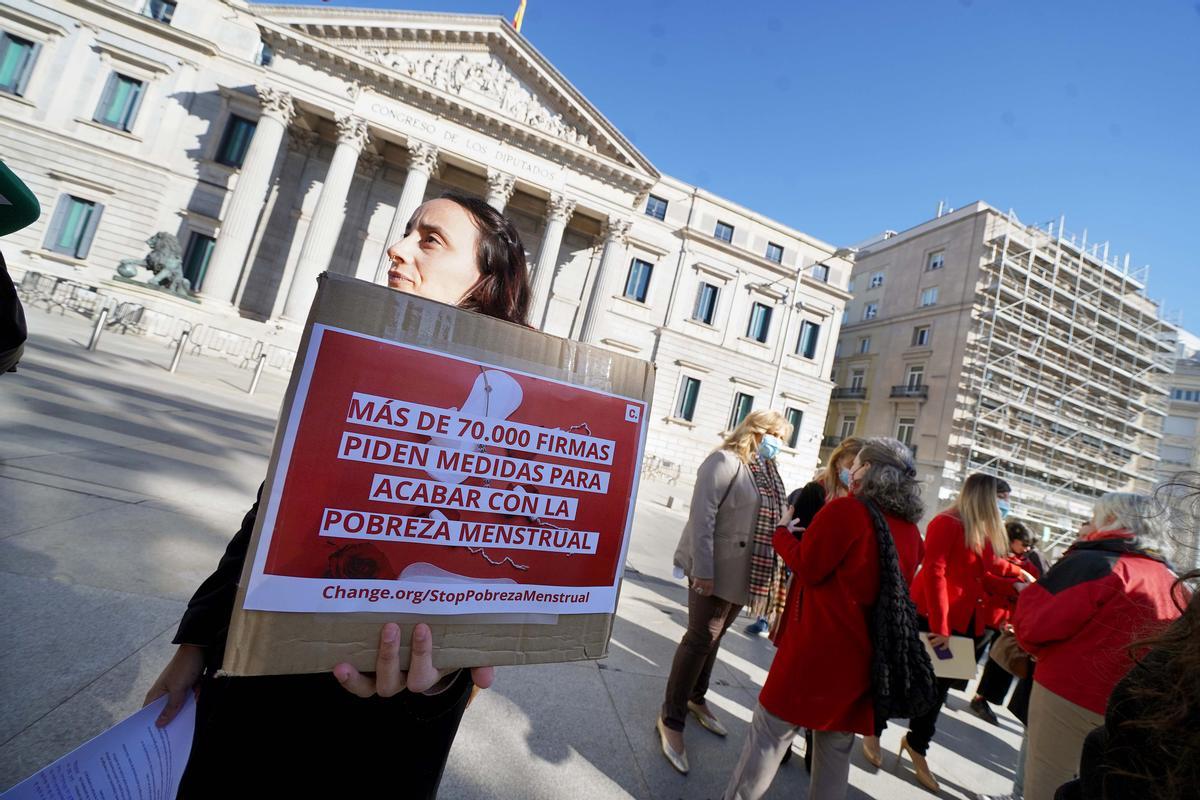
503 288
1018 532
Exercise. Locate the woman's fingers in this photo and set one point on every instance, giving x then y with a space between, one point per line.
389 680
421 672
483 676
175 700
354 681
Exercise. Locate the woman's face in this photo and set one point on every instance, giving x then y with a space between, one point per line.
857 470
437 258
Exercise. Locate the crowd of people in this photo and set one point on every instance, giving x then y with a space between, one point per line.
838 573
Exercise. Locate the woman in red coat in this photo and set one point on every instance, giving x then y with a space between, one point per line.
821 676
960 566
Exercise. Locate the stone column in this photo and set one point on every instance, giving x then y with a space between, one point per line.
616 237
326 222
558 210
500 189
246 204
422 161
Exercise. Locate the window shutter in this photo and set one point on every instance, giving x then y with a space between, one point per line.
56 221
134 105
106 97
27 69
89 232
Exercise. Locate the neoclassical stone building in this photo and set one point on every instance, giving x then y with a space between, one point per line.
277 142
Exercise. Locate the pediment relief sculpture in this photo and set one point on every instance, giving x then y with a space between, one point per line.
483 78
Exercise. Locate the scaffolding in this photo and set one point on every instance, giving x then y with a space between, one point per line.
1062 391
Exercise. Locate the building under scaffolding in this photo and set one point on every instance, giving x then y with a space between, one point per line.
989 345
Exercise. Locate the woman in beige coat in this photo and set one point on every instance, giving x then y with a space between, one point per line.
726 553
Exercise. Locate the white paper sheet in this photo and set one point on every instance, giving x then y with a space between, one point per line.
133 760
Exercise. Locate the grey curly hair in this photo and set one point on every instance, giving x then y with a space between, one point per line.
890 481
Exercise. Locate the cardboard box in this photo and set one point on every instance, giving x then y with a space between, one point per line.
348 483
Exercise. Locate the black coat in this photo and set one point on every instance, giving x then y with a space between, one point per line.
304 735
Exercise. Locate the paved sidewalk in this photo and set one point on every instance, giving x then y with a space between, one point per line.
121 485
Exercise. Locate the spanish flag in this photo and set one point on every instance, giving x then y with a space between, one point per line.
519 17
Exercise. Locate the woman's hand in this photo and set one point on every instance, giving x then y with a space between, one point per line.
702 586
1027 577
390 680
789 514
179 677
939 641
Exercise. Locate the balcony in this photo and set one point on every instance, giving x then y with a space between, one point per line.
919 391
829 440
850 393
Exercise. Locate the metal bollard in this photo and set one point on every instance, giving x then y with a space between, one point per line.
98 328
262 362
183 340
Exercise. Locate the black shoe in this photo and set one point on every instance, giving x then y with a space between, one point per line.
981 709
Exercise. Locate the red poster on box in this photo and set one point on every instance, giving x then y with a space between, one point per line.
413 481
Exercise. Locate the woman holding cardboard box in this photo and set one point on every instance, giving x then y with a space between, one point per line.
726 553
344 732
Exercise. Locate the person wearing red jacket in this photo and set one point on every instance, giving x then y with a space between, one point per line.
1108 590
960 565
821 677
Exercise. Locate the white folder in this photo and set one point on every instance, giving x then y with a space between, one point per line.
961 665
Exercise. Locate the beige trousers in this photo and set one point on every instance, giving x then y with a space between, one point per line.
1056 730
768 739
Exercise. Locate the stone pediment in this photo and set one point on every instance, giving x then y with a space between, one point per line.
478 59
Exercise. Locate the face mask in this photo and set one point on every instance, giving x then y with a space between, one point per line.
770 447
1005 508
844 476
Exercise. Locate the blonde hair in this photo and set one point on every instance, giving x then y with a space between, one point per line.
976 507
830 478
741 439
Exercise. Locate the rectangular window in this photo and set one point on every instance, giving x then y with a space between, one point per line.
864 344
821 272
119 103
876 280
904 430
706 303
656 207
870 311
638 282
689 391
760 322
235 141
920 337
265 55
743 404
724 232
849 423
161 10
914 377
73 226
810 332
858 378
774 252
195 259
929 296
16 62
936 260
794 417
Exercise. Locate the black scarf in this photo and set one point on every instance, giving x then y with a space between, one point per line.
902 679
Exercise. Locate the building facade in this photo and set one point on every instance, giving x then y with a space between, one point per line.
278 142
989 345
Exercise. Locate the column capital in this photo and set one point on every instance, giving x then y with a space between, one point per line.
422 157
559 207
352 131
302 141
275 103
369 164
500 185
616 230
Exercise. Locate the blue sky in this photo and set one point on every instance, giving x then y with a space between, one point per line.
847 117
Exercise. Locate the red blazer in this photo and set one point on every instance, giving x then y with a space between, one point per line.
1081 617
953 579
998 607
821 676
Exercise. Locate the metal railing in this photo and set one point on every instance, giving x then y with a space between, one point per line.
919 391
